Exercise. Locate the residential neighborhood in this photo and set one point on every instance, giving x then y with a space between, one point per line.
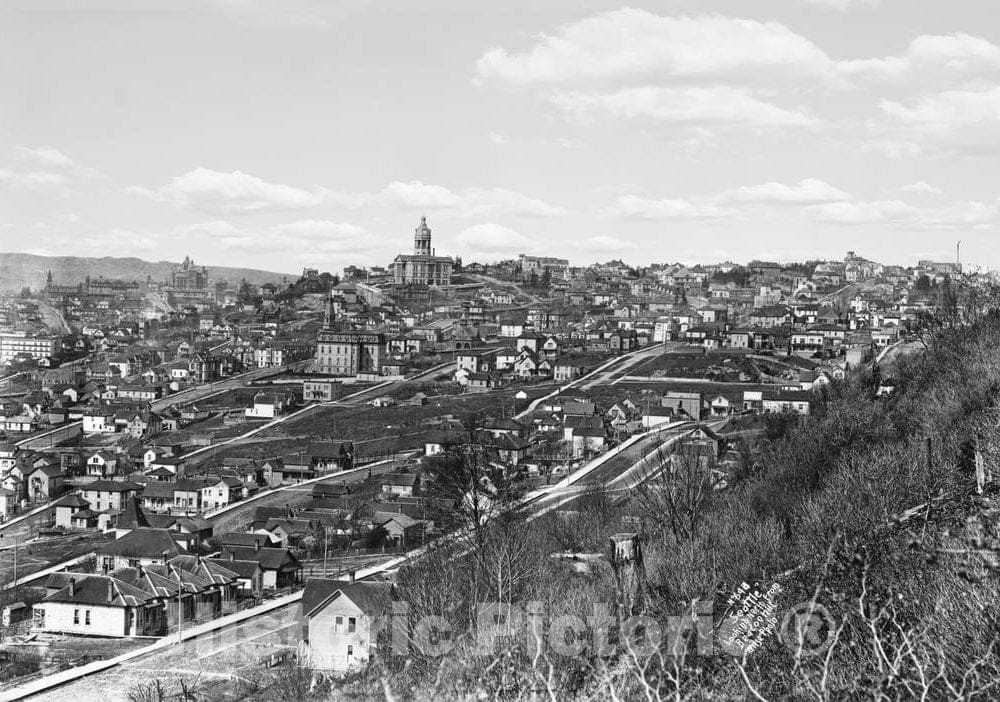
173 441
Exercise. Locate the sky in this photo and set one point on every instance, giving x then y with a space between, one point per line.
280 134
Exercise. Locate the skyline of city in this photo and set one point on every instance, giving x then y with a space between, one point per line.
317 136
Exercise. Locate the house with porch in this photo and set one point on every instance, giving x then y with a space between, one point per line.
102 464
44 482
98 605
109 495
145 546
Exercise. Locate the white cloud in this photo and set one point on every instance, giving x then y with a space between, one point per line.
712 75
415 194
634 207
498 138
862 212
921 188
688 106
34 180
483 202
806 191
470 202
956 215
52 159
929 57
45 169
240 193
639 46
631 43
492 241
960 215
954 121
235 192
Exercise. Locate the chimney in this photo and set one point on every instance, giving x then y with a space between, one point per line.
351 577
256 544
232 556
111 590
72 587
288 511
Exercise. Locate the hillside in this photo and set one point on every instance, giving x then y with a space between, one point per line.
18 270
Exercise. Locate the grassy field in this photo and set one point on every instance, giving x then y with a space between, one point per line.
37 555
243 397
697 365
639 391
376 431
366 422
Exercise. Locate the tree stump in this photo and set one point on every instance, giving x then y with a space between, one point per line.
630 575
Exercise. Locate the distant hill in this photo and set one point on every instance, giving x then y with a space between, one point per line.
18 270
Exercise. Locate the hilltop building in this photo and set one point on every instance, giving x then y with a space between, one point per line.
557 267
341 350
190 276
348 352
422 267
18 343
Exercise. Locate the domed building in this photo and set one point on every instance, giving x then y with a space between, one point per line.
422 267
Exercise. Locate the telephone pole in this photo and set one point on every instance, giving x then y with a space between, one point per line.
180 609
326 545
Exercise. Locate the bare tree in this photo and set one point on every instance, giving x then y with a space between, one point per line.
675 498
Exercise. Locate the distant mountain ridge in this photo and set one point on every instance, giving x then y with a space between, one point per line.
19 270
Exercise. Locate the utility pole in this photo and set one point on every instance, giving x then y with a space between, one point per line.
326 545
180 609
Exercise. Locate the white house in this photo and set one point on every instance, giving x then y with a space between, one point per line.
99 605
340 618
99 422
786 401
223 491
8 500
102 464
267 406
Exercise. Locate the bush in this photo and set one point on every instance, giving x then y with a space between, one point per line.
16 664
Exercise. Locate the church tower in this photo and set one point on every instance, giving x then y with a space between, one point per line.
422 239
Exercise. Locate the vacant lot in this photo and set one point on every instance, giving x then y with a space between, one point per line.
367 422
641 391
37 555
709 366
243 397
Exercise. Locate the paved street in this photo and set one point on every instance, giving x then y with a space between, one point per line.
231 652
